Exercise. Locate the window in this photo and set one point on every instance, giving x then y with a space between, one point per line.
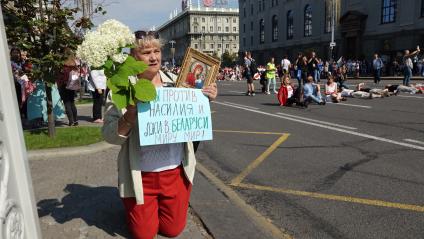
219 29
234 46
227 46
195 28
234 20
274 28
195 19
263 5
251 40
195 46
203 28
234 29
290 26
308 21
203 19
261 31
227 20
251 26
328 15
211 45
422 8
244 12
219 46
251 9
259 5
244 28
227 29
244 41
388 11
235 38
211 29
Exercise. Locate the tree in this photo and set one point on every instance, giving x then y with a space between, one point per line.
228 60
46 29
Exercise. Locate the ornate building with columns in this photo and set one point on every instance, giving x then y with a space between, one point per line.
210 30
362 27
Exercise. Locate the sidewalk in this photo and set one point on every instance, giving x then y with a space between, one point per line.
76 193
77 197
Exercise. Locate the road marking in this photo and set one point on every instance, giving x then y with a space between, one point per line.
259 220
414 141
238 92
237 180
359 106
329 127
411 96
245 132
370 202
317 121
250 107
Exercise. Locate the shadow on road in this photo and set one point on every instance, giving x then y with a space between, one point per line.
97 206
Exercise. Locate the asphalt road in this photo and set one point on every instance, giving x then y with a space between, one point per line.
351 170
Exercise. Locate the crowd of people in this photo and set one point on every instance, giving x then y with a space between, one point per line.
308 70
75 77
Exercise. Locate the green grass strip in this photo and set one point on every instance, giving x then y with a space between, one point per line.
65 137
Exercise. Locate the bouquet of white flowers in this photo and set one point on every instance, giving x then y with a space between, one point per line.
102 49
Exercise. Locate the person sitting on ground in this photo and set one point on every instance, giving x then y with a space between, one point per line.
285 94
331 92
311 92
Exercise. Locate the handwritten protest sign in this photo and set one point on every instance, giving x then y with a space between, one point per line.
176 115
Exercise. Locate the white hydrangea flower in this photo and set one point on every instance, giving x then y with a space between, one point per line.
119 58
104 43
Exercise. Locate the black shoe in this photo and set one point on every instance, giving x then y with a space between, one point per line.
75 123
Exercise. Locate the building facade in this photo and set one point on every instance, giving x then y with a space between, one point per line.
362 27
210 30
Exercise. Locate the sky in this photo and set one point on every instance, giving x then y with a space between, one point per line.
143 14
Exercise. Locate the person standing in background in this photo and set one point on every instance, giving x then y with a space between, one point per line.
70 71
270 76
408 65
377 64
97 86
285 65
313 67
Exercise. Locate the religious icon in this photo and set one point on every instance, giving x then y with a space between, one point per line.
198 70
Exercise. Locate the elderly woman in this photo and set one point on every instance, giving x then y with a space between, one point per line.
154 181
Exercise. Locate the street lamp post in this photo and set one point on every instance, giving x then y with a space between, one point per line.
333 23
172 42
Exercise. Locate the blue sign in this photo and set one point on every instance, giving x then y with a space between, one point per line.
176 115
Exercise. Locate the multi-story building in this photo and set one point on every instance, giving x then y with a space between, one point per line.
210 30
362 27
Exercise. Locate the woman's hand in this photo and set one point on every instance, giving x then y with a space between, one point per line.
127 120
210 91
130 115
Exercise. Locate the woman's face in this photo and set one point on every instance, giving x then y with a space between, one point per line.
152 56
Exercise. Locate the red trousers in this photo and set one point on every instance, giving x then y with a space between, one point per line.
166 196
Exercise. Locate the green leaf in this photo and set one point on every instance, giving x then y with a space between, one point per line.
133 66
108 64
120 99
120 80
112 87
144 90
